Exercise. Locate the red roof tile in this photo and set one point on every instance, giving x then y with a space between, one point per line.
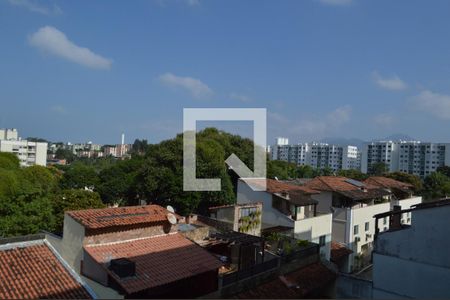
120 216
275 186
339 251
342 185
159 260
34 272
301 283
388 183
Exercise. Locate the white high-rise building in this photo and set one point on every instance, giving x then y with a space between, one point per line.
317 155
351 158
413 157
29 153
380 152
9 134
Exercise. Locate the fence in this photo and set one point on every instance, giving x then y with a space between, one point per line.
251 271
309 250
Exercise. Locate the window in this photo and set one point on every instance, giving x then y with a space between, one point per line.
356 229
366 226
322 240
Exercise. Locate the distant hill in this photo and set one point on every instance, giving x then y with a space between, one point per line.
343 141
359 142
397 137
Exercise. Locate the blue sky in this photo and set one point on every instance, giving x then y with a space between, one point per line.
89 70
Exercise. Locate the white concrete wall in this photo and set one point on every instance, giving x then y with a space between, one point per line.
416 258
394 277
71 248
312 229
359 216
29 153
41 154
325 201
270 215
407 203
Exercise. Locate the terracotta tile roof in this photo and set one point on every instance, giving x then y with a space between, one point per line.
275 186
237 204
339 251
389 183
304 282
159 260
120 216
34 272
343 185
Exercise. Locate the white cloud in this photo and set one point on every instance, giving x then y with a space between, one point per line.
240 97
435 104
311 128
37 8
384 120
59 109
393 83
196 87
336 2
51 40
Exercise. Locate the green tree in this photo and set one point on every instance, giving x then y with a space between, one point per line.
139 147
40 180
73 199
62 153
306 171
117 182
9 161
25 214
436 186
353 174
9 184
281 170
79 176
378 169
444 170
407 178
326 171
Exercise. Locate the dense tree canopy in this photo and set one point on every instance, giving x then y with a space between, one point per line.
35 198
378 169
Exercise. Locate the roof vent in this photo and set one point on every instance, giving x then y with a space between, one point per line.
123 267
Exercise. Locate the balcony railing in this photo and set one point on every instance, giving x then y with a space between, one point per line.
256 269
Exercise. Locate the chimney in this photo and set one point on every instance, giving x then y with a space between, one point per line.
123 138
395 219
123 267
191 219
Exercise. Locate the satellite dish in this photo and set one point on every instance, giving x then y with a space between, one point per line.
171 218
170 208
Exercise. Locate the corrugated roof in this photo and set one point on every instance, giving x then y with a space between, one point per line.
159 260
33 272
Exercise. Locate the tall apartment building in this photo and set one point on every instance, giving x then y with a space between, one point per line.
413 157
29 153
317 155
9 134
